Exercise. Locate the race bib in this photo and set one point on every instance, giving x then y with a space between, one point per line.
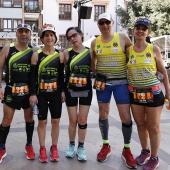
20 89
78 81
48 86
100 82
143 95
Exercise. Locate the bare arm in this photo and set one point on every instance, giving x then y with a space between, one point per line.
125 41
3 56
93 56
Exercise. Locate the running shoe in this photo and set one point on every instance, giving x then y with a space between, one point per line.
104 153
30 154
3 154
54 154
43 156
70 151
81 154
143 157
152 164
128 158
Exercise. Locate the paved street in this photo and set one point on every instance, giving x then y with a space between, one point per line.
16 159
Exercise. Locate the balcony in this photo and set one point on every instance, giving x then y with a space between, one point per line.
32 8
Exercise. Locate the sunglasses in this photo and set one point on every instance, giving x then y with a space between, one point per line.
47 26
143 20
24 26
72 36
104 22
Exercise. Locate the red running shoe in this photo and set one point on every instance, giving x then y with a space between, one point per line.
104 153
43 156
128 158
30 154
54 154
3 154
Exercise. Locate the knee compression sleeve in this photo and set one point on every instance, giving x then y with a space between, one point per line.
82 126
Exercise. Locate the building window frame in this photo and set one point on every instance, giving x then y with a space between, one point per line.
98 9
64 42
65 11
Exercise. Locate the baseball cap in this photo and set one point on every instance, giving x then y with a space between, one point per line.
105 16
143 21
25 26
48 27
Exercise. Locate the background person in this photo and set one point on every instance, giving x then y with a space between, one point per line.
78 90
109 64
47 73
146 96
16 94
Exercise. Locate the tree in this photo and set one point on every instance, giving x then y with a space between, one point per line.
156 11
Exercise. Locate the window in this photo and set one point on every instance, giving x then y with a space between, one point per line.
98 9
31 4
7 3
7 25
65 11
17 3
16 22
64 41
33 24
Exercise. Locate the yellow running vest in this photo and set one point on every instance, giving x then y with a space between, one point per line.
142 68
111 60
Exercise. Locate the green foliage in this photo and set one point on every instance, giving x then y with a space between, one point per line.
155 10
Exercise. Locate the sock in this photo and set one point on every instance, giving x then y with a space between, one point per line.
29 132
72 143
81 144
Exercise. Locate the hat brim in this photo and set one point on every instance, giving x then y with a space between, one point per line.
142 23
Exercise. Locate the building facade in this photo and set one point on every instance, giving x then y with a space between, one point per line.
61 13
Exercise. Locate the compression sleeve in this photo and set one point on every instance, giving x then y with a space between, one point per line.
33 79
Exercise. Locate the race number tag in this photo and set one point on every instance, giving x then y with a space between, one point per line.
20 89
48 86
143 95
100 82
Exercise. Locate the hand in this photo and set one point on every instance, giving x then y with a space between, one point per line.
1 94
63 97
33 99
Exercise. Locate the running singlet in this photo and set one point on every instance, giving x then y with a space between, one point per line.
111 60
78 70
48 71
18 65
142 68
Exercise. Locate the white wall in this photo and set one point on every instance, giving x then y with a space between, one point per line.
88 26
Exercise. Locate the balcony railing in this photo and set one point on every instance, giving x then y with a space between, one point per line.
32 9
11 5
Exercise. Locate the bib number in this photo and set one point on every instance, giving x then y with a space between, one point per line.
19 89
100 82
48 86
143 95
78 81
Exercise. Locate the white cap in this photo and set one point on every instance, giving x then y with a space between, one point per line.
105 16
48 27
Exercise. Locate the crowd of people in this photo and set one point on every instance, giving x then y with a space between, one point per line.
120 67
